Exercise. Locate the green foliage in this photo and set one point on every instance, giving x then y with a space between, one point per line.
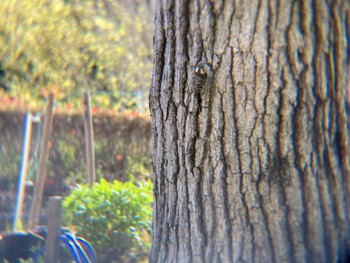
121 143
114 217
70 46
9 163
139 167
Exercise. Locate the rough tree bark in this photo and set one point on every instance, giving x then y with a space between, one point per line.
257 167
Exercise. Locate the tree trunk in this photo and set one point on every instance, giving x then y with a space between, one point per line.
255 167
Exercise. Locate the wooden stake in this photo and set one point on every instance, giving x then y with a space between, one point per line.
40 179
53 228
89 139
23 171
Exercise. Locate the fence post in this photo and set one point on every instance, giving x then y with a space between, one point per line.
53 228
23 170
89 139
40 179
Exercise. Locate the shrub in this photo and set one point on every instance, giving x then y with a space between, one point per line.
114 217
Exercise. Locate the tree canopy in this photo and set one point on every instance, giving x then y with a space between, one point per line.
70 46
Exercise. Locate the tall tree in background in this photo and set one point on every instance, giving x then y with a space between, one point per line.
71 46
256 168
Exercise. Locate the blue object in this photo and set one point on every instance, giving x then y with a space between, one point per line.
83 257
71 247
88 249
80 250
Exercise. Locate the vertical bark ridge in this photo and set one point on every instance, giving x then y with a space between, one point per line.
183 225
342 133
314 221
305 140
330 172
208 204
229 149
188 143
182 185
223 184
219 36
194 178
157 125
287 179
203 169
179 94
240 211
342 61
262 231
295 45
201 196
328 200
291 199
284 177
194 146
221 252
168 120
263 253
223 12
299 173
246 245
265 200
244 68
207 25
231 57
271 187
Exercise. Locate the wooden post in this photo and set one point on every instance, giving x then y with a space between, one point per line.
53 228
23 170
40 179
89 139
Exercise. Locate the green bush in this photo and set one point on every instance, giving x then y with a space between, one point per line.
114 217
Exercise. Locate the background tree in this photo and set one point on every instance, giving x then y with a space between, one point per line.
257 168
71 46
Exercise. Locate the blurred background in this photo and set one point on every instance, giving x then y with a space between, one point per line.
67 47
